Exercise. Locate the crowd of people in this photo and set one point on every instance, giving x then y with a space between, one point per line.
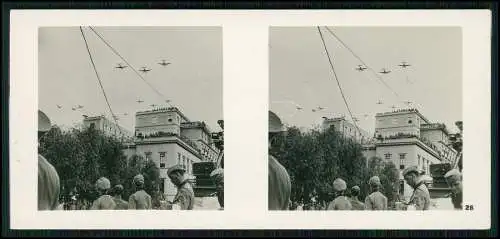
280 186
110 198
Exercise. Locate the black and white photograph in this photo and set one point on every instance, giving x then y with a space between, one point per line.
130 118
365 118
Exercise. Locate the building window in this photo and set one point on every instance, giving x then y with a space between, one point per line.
402 156
163 159
402 166
388 156
169 120
409 121
148 156
178 158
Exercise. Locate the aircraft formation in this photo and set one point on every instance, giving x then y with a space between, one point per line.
143 69
403 65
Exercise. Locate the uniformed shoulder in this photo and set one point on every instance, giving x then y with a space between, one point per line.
422 189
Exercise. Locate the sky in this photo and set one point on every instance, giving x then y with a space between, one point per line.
192 82
300 73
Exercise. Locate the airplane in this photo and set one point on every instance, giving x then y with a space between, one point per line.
298 107
152 105
384 71
144 69
58 106
408 102
313 110
361 68
120 66
393 107
379 102
73 108
320 108
79 106
163 63
404 64
140 101
168 101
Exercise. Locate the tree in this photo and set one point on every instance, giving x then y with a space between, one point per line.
389 177
314 159
81 156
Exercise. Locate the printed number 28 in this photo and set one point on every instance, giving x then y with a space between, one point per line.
469 207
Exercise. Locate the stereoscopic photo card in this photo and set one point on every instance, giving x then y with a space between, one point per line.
325 116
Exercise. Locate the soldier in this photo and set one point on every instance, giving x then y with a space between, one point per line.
48 178
140 200
117 197
279 184
105 201
356 204
376 200
454 180
185 194
218 177
340 202
420 198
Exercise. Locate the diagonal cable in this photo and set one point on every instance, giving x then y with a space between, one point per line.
99 79
336 78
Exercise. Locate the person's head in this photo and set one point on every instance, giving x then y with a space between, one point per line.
454 180
412 175
117 190
276 128
43 124
176 174
138 181
339 186
374 183
48 185
355 191
103 185
218 178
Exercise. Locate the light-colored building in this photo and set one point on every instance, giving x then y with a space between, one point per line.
167 137
107 126
407 138
347 129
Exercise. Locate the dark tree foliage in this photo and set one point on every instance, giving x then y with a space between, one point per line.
82 156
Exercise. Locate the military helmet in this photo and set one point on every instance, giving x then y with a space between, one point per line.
339 185
103 183
176 168
43 122
275 124
374 181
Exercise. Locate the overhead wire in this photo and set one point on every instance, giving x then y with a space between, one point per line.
126 62
99 79
366 65
337 80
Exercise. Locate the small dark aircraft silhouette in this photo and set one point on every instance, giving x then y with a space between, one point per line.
79 106
313 110
393 107
120 66
298 107
404 64
144 69
152 105
58 106
384 71
361 68
379 102
408 102
320 108
164 63
140 101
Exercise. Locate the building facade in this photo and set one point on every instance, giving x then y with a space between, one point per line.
107 126
347 129
407 138
167 137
